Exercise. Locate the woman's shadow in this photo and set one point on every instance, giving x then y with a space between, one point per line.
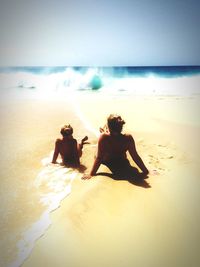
131 174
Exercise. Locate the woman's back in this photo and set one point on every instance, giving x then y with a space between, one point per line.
113 146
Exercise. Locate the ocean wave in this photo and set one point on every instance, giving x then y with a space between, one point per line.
135 80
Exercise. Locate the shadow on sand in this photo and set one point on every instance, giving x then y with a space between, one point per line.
132 175
81 168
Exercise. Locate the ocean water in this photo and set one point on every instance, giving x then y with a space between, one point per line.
172 80
67 82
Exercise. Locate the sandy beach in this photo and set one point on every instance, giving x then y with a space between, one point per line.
77 62
105 222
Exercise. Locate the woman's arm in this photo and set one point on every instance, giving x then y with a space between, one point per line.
95 167
133 152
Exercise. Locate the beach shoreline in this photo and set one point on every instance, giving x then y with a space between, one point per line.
104 222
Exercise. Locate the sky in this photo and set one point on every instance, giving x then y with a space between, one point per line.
99 33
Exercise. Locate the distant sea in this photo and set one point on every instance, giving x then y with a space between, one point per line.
121 71
138 80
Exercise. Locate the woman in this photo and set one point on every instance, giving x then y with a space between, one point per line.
112 148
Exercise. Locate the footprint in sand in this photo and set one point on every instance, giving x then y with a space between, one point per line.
159 159
154 172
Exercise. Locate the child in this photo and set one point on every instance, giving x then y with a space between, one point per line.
68 148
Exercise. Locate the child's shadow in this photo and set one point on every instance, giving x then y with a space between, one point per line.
132 175
81 168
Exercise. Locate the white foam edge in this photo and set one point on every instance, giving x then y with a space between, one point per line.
38 229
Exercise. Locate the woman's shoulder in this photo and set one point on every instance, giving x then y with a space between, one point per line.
104 135
128 136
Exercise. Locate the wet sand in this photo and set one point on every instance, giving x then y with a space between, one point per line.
104 222
30 126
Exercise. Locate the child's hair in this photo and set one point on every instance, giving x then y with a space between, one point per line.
66 130
115 123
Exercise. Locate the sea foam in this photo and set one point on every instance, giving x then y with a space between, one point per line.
140 81
57 181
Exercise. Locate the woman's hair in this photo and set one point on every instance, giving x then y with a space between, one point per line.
115 123
66 130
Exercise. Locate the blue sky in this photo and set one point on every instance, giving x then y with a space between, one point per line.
99 33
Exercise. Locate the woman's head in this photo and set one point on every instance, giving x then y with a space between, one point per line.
66 130
115 123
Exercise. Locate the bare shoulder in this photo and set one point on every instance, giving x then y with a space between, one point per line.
58 141
103 136
129 137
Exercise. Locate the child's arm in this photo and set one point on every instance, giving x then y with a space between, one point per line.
56 151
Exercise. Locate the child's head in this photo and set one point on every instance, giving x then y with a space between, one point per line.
115 123
66 130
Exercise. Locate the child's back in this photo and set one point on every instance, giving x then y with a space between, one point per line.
68 148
